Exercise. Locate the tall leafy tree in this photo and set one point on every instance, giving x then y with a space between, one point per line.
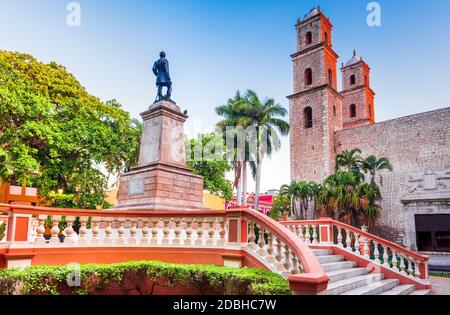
6 167
213 168
57 134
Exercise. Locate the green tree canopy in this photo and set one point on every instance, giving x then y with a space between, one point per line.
57 134
205 155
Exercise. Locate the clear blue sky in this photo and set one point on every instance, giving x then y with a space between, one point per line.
219 46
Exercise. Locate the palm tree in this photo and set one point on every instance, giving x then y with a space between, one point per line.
235 115
349 160
304 195
264 116
314 190
372 165
290 191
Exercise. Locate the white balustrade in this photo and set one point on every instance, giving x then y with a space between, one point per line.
370 247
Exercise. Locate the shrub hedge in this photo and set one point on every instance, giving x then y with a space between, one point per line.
133 276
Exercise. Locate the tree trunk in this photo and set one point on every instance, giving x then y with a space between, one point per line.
257 183
237 183
244 183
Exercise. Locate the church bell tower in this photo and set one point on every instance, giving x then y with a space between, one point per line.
315 105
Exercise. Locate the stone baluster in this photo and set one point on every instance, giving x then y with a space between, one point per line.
69 232
395 260
376 252
199 240
222 232
154 231
95 230
270 249
183 228
34 225
279 255
348 240
211 231
83 231
402 265
190 227
291 228
385 257
40 230
166 232
108 231
302 235
307 235
366 249
357 245
410 267
294 269
133 231
261 243
177 233
145 231
287 262
417 268
121 232
339 237
54 240
251 236
315 235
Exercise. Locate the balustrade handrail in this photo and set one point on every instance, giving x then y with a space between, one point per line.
368 235
309 261
23 209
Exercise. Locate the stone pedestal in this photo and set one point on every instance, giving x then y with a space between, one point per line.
161 181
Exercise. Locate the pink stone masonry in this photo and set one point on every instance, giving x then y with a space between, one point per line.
161 181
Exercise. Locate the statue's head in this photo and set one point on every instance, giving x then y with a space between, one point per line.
162 54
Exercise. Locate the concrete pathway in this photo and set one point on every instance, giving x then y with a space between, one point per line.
440 286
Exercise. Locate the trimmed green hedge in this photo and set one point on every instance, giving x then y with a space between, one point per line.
95 278
441 274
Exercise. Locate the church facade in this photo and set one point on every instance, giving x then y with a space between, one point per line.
324 122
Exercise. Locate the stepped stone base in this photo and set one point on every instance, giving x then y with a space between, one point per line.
160 186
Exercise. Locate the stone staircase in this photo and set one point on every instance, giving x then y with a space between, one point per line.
347 279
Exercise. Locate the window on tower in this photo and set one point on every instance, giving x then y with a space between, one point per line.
308 38
308 76
308 117
330 77
326 38
352 111
366 82
352 79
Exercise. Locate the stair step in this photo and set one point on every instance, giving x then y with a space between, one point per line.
329 259
345 285
321 252
340 265
420 292
346 274
404 289
374 288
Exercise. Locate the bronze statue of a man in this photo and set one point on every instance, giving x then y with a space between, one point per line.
161 71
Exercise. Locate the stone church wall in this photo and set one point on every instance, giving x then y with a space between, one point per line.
415 145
